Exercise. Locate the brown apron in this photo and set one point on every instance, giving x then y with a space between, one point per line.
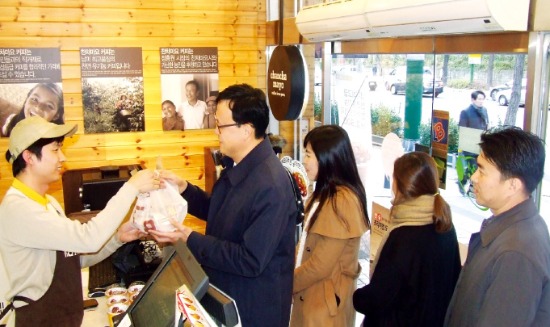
62 304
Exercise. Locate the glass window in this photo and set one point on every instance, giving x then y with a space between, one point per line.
545 127
376 94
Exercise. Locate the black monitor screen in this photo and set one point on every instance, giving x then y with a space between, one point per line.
156 303
96 193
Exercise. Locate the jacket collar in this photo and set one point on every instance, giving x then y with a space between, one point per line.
237 173
523 211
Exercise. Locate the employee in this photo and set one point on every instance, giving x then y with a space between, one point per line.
42 250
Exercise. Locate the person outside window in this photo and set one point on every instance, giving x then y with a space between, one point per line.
505 280
248 249
475 116
327 264
418 261
42 250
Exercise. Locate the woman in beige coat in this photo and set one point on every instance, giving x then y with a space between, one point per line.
327 264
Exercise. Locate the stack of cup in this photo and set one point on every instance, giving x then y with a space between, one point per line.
134 289
117 301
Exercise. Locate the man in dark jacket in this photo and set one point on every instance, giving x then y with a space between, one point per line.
475 116
248 249
505 280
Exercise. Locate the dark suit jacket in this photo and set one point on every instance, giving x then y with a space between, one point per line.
248 249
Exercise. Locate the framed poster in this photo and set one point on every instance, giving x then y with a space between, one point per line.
112 90
189 86
30 85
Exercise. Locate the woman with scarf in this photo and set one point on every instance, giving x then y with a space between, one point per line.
327 264
418 263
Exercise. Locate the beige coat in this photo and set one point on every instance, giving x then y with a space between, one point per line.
330 266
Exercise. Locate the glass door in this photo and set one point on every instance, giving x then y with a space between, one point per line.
543 128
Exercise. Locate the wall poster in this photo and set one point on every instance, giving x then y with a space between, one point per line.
189 86
30 85
112 90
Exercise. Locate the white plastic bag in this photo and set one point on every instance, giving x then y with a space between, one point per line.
153 210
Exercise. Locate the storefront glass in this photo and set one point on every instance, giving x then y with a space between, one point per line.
543 106
375 94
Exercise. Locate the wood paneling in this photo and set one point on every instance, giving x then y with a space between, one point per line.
236 27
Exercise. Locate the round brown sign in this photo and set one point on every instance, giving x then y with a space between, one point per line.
286 82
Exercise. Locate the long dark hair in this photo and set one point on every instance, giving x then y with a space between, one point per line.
415 174
53 88
337 167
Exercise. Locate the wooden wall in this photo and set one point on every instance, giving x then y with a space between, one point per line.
236 27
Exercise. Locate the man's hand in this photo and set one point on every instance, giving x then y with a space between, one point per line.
169 176
182 232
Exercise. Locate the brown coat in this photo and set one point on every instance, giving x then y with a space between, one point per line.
329 266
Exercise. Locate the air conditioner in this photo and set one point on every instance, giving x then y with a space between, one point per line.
360 19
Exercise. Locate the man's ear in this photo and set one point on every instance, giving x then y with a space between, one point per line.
516 185
28 156
248 130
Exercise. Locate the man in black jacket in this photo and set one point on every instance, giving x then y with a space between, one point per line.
475 116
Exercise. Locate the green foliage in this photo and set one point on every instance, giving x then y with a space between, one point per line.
317 111
384 120
459 84
317 107
334 114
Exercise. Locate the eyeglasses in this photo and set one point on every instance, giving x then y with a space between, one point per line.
226 125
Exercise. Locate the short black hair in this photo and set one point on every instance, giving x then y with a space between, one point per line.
248 106
36 148
475 94
516 153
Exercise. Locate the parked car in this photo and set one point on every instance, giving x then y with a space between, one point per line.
508 85
504 96
396 81
352 72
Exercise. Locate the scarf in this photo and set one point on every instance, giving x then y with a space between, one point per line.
415 212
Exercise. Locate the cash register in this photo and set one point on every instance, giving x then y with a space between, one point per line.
156 304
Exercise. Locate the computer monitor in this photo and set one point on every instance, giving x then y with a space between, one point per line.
156 304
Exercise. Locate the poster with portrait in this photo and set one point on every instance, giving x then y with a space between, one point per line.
112 90
30 85
189 86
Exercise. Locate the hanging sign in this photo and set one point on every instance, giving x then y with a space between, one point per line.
287 83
